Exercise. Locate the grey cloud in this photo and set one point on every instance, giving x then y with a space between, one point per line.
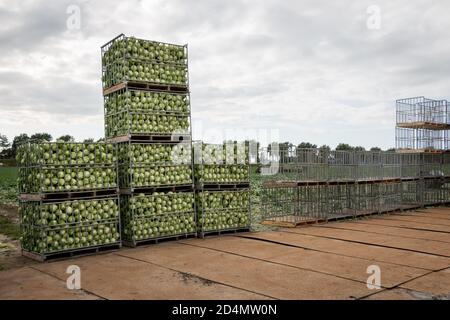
310 68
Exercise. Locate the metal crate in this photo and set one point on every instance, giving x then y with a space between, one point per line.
47 228
216 212
221 164
141 112
157 165
148 216
64 167
141 71
123 47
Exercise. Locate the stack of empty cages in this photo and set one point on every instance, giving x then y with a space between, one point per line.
324 184
147 113
422 125
222 178
68 198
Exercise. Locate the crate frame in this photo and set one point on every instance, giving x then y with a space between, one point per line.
202 211
122 37
128 110
135 242
38 190
126 180
45 255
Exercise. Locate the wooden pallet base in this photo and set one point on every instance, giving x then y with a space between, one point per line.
222 186
150 190
203 234
166 138
71 253
144 85
293 223
144 242
424 125
68 195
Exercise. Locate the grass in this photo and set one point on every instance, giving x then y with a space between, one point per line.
9 229
8 184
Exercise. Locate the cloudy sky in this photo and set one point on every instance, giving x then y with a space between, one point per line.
318 71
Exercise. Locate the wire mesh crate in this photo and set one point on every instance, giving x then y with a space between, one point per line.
153 165
411 165
312 200
221 164
145 72
127 59
367 199
289 204
390 195
123 47
341 199
411 193
66 167
432 191
154 216
223 210
69 226
421 112
420 139
139 112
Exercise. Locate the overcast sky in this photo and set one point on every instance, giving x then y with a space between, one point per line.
300 70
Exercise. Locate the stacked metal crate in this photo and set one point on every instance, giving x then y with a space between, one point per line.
147 113
222 180
68 198
422 125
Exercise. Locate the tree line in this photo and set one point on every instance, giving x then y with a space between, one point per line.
8 149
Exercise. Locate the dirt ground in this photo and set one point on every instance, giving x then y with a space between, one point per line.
10 254
327 261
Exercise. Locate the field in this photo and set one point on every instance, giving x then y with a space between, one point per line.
8 185
9 220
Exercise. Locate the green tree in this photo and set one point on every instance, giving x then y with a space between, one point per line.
307 145
18 140
375 149
325 148
66 138
359 148
391 149
4 143
344 147
88 140
42 137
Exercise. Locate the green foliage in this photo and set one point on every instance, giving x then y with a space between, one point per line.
344 147
4 143
41 137
307 145
8 185
66 138
18 140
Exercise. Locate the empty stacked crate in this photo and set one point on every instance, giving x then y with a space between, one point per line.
69 199
222 187
147 112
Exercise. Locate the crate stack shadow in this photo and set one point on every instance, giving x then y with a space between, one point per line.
68 199
222 183
148 115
